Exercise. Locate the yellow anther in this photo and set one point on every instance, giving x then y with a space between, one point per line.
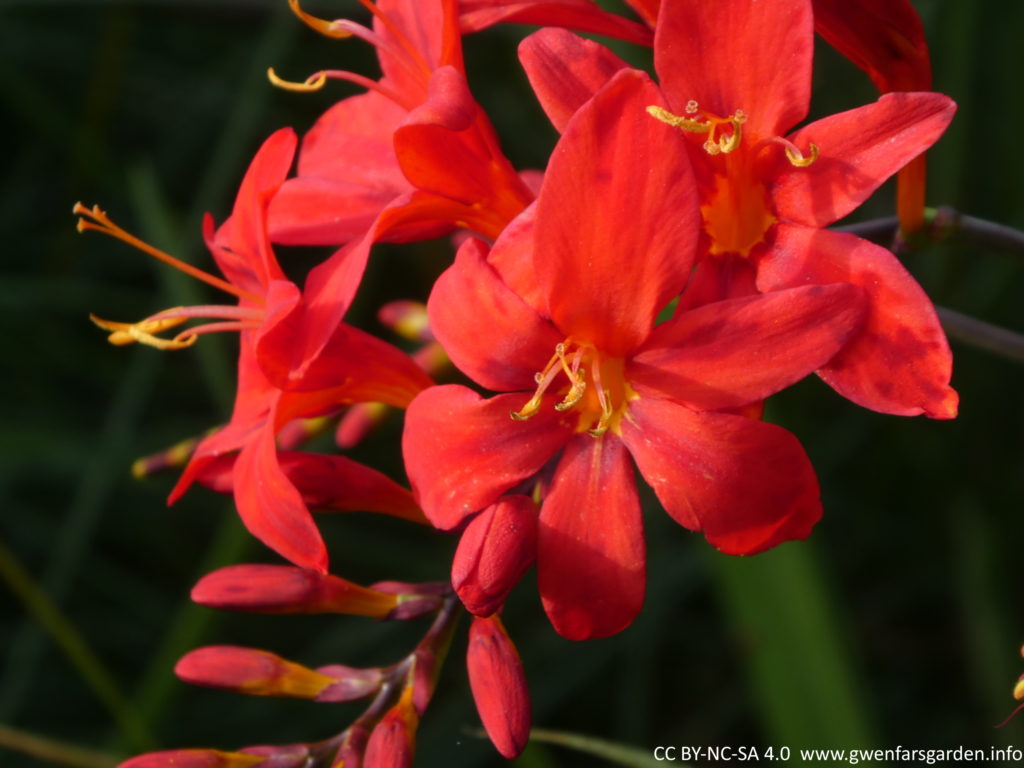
311 83
707 123
683 123
574 395
796 157
607 411
144 332
328 28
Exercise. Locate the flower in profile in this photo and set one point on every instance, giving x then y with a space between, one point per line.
570 294
358 366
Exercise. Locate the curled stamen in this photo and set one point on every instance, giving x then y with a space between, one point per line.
705 123
793 153
605 400
311 83
327 28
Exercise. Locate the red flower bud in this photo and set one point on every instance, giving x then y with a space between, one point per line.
248 670
393 740
494 552
499 685
286 589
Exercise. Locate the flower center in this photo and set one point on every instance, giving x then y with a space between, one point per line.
736 213
597 387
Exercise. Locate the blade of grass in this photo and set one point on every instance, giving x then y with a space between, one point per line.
51 751
48 615
616 754
802 675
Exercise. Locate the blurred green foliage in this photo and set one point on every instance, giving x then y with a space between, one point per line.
897 623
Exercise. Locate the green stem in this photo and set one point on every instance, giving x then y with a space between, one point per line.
619 754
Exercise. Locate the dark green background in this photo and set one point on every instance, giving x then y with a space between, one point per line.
898 623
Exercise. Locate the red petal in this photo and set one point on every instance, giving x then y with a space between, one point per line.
860 149
885 38
565 71
900 362
448 147
494 552
518 342
716 278
730 353
746 484
241 246
617 219
315 211
738 54
581 15
272 508
498 683
590 560
423 23
462 452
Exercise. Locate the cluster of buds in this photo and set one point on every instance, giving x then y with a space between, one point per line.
629 307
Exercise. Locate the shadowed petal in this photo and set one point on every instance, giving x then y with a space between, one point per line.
590 544
565 71
462 452
900 362
734 352
860 149
271 507
745 484
582 15
490 333
738 54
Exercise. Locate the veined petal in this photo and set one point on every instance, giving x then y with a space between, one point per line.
591 566
859 150
581 15
271 507
428 26
565 71
315 211
617 219
738 54
512 259
747 485
733 352
517 343
900 361
462 452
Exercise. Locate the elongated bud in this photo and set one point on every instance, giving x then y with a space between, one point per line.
193 758
287 589
289 756
353 746
392 742
498 683
252 671
494 552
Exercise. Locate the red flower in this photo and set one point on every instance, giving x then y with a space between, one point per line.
574 292
413 158
737 77
356 368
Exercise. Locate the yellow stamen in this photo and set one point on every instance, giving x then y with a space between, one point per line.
796 157
311 83
327 28
707 123
96 219
144 332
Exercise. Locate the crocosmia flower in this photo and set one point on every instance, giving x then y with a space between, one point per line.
590 384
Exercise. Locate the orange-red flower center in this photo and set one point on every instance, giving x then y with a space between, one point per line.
594 387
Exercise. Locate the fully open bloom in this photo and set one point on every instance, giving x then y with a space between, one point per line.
570 297
737 77
358 366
